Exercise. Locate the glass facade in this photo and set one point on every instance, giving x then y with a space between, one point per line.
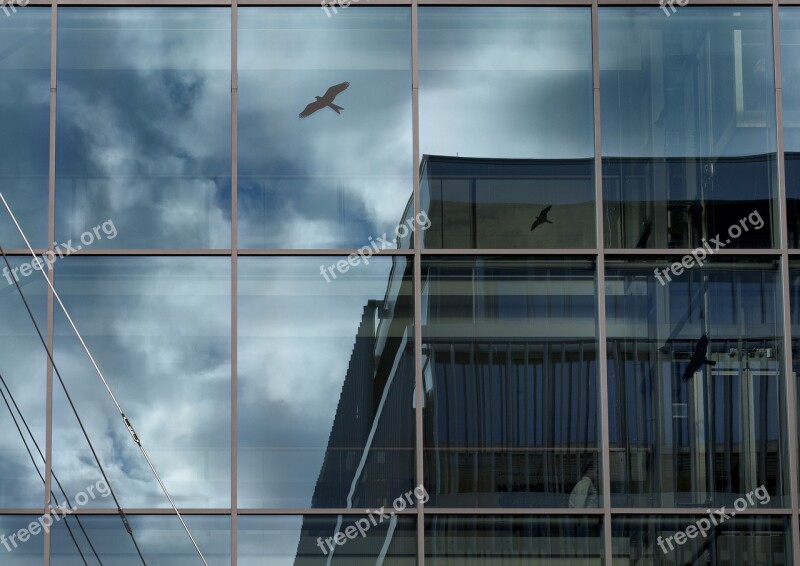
372 284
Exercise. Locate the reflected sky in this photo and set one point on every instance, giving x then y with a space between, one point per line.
143 125
30 553
329 180
159 328
315 359
25 108
506 82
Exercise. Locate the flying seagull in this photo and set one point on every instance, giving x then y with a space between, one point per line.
699 358
541 219
325 100
648 229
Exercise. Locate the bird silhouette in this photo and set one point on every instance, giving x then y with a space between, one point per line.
648 229
325 100
541 219
699 358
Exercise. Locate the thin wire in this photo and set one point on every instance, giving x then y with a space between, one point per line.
41 476
125 419
121 513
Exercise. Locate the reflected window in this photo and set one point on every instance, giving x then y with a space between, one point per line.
326 382
25 110
688 125
159 329
695 383
506 127
161 539
510 369
694 539
143 125
321 540
325 125
514 539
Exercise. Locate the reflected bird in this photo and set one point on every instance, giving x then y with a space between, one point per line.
699 358
326 100
541 219
648 229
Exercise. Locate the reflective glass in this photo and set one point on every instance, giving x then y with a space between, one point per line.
695 421
326 382
510 369
790 89
324 539
506 130
677 540
25 111
143 125
16 551
161 540
513 539
159 329
22 389
688 125
313 175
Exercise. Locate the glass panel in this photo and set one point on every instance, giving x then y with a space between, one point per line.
688 125
341 173
790 83
159 328
794 303
323 540
326 382
513 539
23 367
17 536
510 365
25 108
694 539
161 539
506 131
696 383
143 123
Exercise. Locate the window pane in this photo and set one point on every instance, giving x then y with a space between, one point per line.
342 173
740 540
695 422
22 390
25 108
143 125
688 125
301 539
159 328
790 83
326 383
510 366
161 539
28 553
513 539
506 127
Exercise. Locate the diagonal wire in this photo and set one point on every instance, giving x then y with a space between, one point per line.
35 465
121 513
125 419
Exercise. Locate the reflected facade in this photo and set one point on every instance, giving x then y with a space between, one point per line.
400 284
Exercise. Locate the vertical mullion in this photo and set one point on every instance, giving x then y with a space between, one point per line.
51 188
791 398
419 381
601 304
234 283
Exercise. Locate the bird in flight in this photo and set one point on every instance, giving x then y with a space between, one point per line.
648 229
326 100
541 219
699 358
